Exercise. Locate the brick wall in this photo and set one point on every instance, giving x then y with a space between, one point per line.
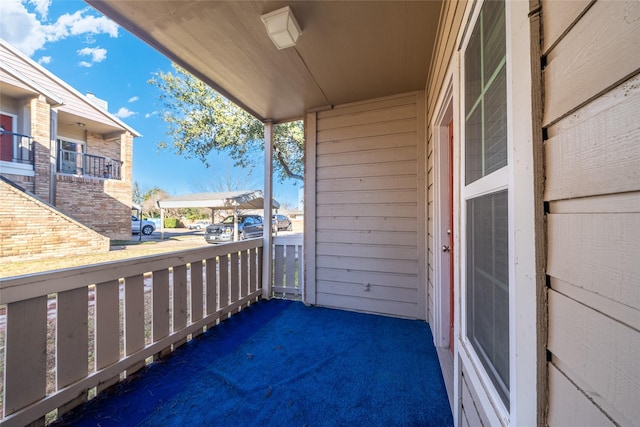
31 229
26 182
101 204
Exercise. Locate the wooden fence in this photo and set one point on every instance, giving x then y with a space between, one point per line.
94 325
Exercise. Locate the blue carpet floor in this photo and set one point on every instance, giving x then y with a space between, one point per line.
280 363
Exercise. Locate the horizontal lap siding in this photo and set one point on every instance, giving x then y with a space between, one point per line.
366 206
592 105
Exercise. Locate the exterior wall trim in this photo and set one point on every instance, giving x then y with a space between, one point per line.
310 126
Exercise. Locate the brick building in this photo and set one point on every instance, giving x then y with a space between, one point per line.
65 150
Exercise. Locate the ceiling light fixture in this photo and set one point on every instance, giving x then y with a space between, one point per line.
282 27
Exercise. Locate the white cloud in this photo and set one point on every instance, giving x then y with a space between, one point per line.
85 64
133 99
44 60
77 24
124 112
97 54
41 6
20 26
149 115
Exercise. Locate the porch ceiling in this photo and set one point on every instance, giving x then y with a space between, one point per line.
348 51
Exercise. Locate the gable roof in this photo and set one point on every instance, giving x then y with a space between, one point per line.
68 100
21 84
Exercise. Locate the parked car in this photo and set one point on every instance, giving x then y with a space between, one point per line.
252 231
145 227
199 225
282 222
223 231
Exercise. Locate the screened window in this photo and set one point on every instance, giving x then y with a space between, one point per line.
487 223
486 94
488 285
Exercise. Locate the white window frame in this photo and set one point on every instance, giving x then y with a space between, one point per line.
59 140
524 389
489 184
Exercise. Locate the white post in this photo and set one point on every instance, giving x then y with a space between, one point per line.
161 224
266 234
235 223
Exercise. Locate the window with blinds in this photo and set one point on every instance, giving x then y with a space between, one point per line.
486 94
486 206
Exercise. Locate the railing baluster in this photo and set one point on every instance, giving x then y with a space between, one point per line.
253 270
72 341
212 288
278 271
197 297
301 270
259 261
235 277
160 316
244 274
224 282
107 329
290 277
134 318
25 353
180 299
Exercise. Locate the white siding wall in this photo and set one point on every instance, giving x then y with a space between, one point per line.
366 207
591 113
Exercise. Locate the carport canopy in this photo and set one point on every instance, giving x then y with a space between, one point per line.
245 199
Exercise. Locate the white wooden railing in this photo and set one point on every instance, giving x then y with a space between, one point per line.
110 319
288 267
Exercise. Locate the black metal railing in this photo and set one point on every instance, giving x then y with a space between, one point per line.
75 163
16 148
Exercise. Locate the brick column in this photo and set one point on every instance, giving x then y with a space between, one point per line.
126 155
41 133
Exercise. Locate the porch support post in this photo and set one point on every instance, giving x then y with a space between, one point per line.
267 239
161 223
235 223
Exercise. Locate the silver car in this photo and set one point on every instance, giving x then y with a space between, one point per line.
145 227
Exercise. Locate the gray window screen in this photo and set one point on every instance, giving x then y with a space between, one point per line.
486 94
488 285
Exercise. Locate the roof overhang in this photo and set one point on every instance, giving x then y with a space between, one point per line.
348 51
246 199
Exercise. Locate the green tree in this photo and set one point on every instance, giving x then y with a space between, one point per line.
201 120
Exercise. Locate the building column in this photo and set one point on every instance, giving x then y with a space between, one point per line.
43 145
267 240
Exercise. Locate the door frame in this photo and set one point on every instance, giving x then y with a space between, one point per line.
441 182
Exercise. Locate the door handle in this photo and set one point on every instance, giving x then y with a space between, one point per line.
445 248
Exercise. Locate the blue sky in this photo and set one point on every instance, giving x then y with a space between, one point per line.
93 54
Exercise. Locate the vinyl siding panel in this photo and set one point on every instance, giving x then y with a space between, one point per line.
592 102
366 206
579 68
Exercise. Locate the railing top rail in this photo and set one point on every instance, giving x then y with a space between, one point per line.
290 239
5 132
20 288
